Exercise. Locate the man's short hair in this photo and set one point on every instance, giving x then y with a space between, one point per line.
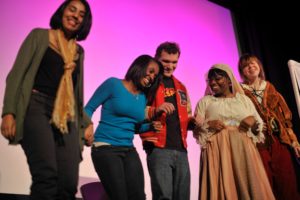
169 47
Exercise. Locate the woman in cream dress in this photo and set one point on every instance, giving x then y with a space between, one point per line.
228 127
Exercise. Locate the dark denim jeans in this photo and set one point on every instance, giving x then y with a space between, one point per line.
53 158
170 174
120 171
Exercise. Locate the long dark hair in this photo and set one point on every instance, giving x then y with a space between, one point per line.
138 69
151 91
84 30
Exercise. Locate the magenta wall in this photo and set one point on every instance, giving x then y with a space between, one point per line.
121 31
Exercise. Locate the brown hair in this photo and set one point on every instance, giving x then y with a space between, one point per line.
244 60
169 47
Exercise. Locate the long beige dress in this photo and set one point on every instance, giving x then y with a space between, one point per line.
230 165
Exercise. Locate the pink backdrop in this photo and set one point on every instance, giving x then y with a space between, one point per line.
121 31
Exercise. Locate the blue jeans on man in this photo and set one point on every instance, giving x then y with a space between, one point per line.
170 174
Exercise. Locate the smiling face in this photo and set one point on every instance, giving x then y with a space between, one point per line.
219 83
251 70
151 73
73 16
169 62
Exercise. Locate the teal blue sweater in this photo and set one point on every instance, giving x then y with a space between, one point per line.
120 113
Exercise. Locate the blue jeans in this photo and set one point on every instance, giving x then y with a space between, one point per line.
170 174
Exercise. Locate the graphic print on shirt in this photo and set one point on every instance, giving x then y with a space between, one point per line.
169 92
183 98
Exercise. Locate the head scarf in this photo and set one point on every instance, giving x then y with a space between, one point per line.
236 87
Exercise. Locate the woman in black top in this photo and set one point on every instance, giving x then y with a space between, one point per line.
43 102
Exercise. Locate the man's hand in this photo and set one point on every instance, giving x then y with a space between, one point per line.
166 107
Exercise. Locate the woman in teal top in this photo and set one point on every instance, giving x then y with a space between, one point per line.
119 114
123 102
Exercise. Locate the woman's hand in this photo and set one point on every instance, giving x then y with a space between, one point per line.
248 122
255 128
157 126
195 123
191 123
89 135
265 128
198 121
8 126
296 147
215 125
297 151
